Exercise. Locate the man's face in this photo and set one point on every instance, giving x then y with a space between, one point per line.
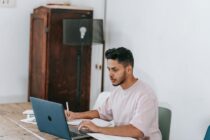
117 72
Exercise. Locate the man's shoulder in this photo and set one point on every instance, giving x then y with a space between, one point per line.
143 89
142 86
145 86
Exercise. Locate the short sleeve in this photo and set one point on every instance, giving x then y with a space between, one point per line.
105 111
145 115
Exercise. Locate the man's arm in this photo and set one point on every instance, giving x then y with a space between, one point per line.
82 115
123 130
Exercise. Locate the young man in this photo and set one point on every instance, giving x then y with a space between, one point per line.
132 105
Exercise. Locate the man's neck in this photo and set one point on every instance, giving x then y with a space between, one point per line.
129 82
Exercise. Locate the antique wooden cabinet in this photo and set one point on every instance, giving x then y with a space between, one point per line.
53 66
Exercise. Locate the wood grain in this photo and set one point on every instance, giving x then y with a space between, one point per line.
10 116
11 128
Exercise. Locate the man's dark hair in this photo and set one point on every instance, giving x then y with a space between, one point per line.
121 54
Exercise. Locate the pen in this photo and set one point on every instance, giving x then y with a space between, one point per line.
67 106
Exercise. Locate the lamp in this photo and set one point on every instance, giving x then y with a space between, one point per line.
82 32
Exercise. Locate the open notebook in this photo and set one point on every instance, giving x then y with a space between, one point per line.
96 121
99 122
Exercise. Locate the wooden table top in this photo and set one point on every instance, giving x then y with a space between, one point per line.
11 128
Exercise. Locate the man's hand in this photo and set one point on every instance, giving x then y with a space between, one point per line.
70 115
88 126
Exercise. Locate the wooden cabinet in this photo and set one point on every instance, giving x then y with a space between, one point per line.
53 65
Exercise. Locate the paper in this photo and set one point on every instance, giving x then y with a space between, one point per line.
96 121
101 123
76 122
29 120
29 111
99 136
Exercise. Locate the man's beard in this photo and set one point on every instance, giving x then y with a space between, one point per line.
121 81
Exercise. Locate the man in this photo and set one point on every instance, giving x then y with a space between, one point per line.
132 105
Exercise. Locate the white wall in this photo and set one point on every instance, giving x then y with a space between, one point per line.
14 43
170 41
14 54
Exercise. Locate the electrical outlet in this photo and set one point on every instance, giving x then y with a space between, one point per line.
7 3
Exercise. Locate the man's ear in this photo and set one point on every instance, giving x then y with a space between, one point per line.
129 69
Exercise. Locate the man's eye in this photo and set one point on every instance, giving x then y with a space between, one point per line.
115 70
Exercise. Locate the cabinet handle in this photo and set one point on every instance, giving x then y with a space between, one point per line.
96 66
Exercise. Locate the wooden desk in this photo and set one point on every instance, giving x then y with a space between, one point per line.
11 128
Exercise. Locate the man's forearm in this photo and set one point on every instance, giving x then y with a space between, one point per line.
125 131
87 115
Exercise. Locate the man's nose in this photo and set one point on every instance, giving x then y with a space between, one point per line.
111 74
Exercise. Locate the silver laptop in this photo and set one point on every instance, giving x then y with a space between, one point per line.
51 119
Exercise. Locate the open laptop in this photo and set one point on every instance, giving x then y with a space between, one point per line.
51 119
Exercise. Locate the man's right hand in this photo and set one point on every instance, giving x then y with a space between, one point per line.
70 115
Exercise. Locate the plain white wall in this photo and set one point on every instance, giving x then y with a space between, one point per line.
171 45
14 54
14 43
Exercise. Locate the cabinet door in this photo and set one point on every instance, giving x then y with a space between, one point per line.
63 61
96 72
37 67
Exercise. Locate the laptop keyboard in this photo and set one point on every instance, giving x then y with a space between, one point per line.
76 136
73 134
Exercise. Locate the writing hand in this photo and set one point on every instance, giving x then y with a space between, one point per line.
70 115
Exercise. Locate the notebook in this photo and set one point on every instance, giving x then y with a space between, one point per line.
96 121
51 119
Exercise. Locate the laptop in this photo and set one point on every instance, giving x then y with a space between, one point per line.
51 119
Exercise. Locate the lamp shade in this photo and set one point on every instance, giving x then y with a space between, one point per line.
77 31
86 31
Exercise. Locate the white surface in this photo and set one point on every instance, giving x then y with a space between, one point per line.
96 121
7 3
170 41
29 120
28 112
14 54
77 121
108 137
101 123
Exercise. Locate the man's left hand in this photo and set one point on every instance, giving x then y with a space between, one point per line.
88 126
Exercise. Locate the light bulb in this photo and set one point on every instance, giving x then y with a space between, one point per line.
82 32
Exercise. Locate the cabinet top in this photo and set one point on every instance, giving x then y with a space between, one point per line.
73 7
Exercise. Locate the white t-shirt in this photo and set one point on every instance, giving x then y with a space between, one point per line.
136 105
